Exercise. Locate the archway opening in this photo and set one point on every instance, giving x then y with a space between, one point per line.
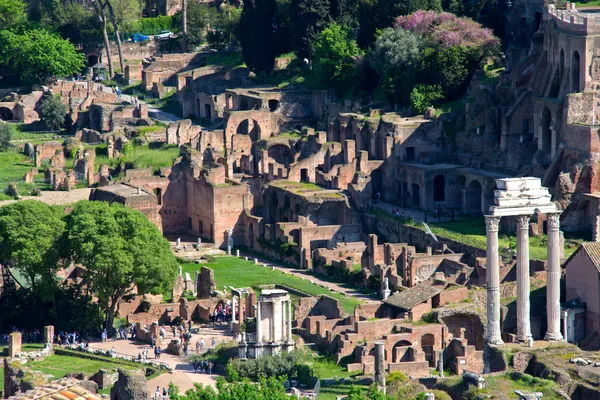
575 72
273 105
249 127
280 153
403 352
546 132
473 198
439 188
6 114
427 344
92 60
158 193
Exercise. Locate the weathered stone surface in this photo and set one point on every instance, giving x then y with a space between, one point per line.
206 283
131 385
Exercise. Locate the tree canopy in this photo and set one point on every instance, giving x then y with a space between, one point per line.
38 54
29 233
266 389
53 112
121 250
335 55
12 13
5 136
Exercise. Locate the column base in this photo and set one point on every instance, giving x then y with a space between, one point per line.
554 337
495 341
523 338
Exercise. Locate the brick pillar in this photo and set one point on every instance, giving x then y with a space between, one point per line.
49 334
14 344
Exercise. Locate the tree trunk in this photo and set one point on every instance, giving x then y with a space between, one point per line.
184 24
102 17
117 34
110 316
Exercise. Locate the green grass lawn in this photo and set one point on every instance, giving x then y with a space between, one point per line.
60 365
472 231
237 272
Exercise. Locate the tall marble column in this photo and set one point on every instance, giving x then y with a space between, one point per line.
289 333
553 278
494 335
258 324
241 309
523 289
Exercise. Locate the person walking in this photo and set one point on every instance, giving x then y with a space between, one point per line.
157 394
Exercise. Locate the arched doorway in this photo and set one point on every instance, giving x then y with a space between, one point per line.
249 127
6 114
280 153
273 105
403 352
92 59
473 198
427 344
575 72
158 193
546 133
439 188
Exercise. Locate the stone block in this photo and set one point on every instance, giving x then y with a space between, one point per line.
14 344
49 334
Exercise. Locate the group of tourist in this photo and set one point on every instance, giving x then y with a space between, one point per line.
222 313
34 336
162 394
68 338
204 366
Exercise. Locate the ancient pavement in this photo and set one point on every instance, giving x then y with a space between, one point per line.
183 373
56 197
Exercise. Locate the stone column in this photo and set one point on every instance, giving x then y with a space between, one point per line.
289 321
232 310
258 324
241 307
380 365
553 278
565 316
14 344
493 281
49 334
523 307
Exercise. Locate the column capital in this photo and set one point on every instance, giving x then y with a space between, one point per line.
492 223
523 221
553 220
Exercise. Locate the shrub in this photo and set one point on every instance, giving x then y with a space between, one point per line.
424 96
53 112
152 26
280 365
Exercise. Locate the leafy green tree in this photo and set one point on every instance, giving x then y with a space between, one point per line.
335 55
29 234
310 17
76 23
121 250
5 136
256 35
225 29
12 13
449 68
199 18
38 54
424 96
266 389
395 56
53 112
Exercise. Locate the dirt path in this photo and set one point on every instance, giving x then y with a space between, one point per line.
56 197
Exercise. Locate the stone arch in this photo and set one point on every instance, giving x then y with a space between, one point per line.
92 59
473 197
6 114
249 127
403 351
281 153
439 188
575 72
427 345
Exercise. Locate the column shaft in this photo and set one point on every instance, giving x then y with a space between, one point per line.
523 306
258 324
289 321
553 278
241 309
493 281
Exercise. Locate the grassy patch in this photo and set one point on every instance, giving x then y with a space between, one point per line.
60 365
471 231
225 59
237 272
140 157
